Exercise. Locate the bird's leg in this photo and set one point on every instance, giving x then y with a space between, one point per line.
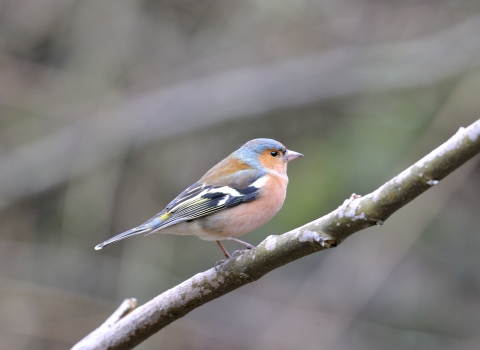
248 245
223 249
228 256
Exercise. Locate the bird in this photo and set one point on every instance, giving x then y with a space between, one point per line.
235 197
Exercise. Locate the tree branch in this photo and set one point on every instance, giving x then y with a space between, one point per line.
355 214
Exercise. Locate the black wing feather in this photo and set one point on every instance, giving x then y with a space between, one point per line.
201 200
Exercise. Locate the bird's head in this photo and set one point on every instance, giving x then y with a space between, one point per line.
266 154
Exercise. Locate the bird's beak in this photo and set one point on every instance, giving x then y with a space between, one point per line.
291 155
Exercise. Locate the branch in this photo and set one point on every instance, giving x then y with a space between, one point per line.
355 214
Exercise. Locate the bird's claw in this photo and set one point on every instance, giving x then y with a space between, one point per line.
219 263
239 252
235 254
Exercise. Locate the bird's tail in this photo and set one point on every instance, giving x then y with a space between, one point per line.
134 231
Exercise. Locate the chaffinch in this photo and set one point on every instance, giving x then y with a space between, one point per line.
236 196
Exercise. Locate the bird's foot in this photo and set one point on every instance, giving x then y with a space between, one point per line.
219 263
239 252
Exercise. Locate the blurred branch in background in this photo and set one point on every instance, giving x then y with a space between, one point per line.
354 214
79 147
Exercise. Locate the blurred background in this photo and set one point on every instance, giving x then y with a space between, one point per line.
109 109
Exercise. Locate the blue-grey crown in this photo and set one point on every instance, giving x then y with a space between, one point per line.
260 145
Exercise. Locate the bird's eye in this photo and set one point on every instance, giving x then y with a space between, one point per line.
274 153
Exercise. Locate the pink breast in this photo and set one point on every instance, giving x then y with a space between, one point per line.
247 217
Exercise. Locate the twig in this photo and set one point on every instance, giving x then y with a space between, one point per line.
94 338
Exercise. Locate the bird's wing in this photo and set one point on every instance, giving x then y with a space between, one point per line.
203 199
